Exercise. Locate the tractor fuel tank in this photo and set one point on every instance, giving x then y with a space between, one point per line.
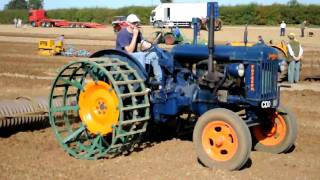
195 53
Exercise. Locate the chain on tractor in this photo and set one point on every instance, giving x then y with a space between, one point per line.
104 111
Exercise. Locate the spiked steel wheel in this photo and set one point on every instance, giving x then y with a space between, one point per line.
104 111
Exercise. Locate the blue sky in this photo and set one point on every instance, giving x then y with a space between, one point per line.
53 4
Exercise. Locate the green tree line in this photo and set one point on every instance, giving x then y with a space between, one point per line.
231 15
270 15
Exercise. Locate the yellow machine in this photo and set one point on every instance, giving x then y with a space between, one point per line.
282 47
240 44
50 47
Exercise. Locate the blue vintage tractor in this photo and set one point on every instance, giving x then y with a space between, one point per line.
230 91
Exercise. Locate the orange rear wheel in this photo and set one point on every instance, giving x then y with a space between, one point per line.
98 105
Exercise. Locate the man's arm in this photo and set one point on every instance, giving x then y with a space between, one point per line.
290 51
145 45
300 53
131 47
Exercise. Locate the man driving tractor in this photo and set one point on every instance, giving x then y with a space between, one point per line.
128 39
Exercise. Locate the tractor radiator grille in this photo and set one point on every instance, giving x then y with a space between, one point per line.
269 74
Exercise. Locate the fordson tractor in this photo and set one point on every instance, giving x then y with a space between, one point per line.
107 101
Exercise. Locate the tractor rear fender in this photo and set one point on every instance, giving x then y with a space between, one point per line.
282 47
113 53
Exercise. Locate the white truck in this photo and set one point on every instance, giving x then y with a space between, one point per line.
179 14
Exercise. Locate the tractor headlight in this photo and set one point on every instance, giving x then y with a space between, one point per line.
236 70
241 70
282 65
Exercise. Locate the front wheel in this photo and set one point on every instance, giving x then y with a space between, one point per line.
33 24
156 24
277 133
222 139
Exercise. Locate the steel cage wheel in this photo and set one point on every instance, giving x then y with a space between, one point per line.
104 108
222 139
278 134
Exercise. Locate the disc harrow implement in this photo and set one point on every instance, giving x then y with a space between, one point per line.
24 111
104 109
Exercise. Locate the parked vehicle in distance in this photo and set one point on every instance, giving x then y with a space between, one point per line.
181 14
38 18
118 22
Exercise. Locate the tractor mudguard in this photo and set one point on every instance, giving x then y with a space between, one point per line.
113 53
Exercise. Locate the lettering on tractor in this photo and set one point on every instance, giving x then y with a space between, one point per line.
231 92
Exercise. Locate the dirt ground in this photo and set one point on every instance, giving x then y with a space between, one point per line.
35 154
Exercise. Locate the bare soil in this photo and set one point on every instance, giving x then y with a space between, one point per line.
35 153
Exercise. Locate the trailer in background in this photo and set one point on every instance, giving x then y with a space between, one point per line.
181 14
38 18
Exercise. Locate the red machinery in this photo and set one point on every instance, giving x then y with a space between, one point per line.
118 22
39 18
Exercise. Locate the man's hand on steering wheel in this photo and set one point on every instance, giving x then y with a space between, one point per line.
146 46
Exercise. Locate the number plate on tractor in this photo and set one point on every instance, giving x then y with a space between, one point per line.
266 104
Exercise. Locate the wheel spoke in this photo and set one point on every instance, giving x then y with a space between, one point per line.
74 83
94 145
74 135
64 108
91 72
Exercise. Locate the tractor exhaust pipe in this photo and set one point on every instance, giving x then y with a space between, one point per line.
212 76
211 48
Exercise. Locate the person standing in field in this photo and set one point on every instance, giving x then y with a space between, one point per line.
19 23
260 40
302 27
283 26
294 59
15 22
61 38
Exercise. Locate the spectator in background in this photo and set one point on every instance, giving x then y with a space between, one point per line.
15 22
61 38
19 23
260 40
294 59
271 42
283 26
302 27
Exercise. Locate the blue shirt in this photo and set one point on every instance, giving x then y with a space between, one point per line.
124 38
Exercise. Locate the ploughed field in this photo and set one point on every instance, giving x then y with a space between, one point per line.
35 153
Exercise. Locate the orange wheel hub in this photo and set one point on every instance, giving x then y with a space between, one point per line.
219 141
273 135
98 105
